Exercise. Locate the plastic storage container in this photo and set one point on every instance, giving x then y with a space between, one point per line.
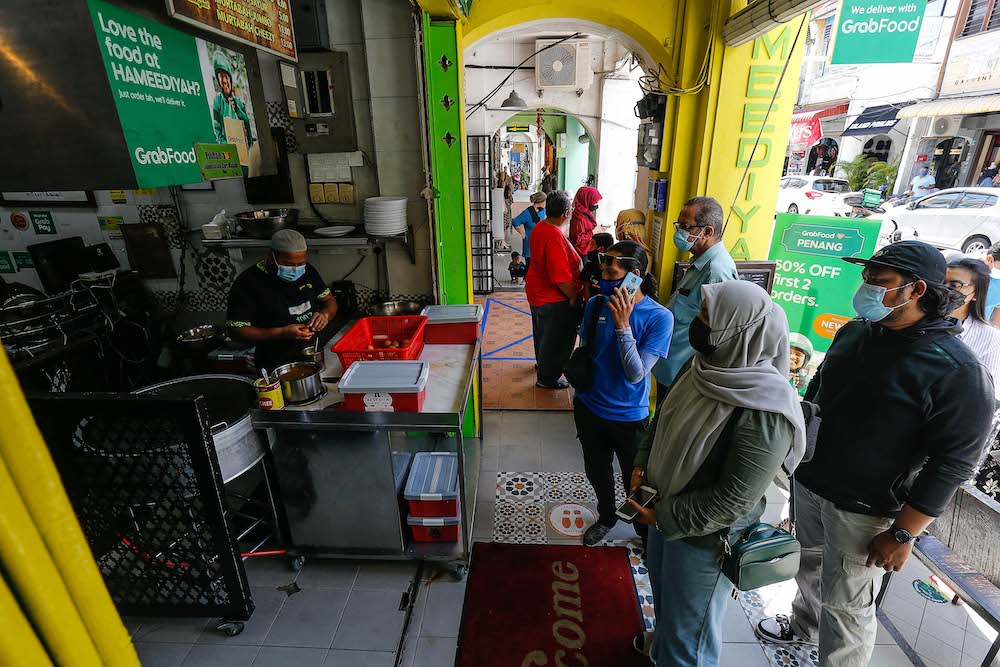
375 332
441 529
432 488
385 386
452 325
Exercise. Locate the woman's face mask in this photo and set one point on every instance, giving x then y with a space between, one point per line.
698 336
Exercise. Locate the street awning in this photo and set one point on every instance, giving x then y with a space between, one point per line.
954 106
872 121
806 129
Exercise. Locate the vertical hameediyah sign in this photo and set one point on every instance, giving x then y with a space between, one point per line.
172 91
877 31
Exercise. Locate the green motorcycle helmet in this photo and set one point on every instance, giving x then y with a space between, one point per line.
800 342
221 63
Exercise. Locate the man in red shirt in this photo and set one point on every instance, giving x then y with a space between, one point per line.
553 287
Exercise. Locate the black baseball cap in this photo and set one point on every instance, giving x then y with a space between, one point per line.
915 257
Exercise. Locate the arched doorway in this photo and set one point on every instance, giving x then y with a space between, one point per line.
823 157
949 155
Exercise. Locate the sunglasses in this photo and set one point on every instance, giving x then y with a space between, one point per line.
607 260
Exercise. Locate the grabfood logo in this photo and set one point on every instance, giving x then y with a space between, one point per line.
849 26
162 156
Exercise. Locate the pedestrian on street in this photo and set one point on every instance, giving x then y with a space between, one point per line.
553 290
698 230
730 422
906 408
631 334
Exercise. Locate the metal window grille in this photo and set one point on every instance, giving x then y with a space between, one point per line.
983 15
144 481
480 211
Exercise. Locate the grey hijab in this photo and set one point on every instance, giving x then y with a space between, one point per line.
749 369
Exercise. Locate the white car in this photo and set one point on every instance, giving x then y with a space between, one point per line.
813 195
962 219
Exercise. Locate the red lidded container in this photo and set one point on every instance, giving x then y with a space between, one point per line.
385 386
432 487
453 325
441 529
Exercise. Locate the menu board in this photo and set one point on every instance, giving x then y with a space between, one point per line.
264 24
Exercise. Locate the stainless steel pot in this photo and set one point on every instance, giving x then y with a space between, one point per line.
300 381
262 224
395 308
229 399
315 354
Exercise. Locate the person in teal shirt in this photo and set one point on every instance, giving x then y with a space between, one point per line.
226 104
698 230
526 221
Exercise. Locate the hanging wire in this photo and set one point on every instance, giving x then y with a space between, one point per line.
660 82
763 124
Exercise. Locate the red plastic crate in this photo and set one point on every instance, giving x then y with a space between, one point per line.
434 530
376 330
464 333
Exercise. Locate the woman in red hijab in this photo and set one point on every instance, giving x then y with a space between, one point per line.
581 227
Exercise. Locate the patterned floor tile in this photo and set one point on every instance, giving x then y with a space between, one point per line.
519 522
520 486
568 486
771 600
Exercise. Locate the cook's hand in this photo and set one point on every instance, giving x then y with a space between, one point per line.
645 515
621 304
319 321
638 477
885 552
298 332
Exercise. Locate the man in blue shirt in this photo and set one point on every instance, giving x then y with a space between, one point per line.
526 221
698 230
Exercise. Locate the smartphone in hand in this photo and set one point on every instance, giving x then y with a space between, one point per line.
644 496
631 283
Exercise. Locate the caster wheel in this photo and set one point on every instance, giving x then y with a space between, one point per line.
459 571
231 628
297 563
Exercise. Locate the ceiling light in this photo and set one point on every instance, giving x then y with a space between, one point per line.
513 101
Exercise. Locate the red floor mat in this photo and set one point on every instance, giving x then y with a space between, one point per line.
549 605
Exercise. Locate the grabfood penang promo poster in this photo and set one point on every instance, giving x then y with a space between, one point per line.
172 91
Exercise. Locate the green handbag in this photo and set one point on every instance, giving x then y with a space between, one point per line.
762 556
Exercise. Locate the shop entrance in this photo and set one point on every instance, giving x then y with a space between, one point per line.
949 155
878 148
989 156
823 157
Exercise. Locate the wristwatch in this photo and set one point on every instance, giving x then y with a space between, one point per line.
901 535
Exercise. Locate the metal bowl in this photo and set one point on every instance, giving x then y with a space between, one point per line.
394 308
263 223
300 381
201 338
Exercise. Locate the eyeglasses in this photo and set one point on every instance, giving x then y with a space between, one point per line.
956 284
607 260
677 227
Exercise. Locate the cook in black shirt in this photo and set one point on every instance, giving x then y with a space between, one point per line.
280 303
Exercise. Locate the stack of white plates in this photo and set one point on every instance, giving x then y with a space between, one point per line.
385 216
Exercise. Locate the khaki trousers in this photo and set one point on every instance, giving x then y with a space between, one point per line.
836 599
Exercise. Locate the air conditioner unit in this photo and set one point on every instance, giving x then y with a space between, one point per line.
945 126
565 66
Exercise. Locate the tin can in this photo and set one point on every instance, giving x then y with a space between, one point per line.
269 395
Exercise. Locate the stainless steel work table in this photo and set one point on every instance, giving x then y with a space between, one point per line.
337 471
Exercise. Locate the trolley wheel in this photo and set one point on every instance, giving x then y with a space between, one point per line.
458 572
231 628
297 563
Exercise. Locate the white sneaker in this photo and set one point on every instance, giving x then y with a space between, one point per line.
778 630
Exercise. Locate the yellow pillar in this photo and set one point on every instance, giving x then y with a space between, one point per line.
43 552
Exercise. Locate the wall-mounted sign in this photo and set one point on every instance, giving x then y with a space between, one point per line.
6 263
23 260
973 66
518 128
877 32
806 133
921 158
218 161
118 196
19 220
172 91
263 24
42 222
79 198
812 283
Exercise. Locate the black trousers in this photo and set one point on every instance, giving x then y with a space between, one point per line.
602 440
555 326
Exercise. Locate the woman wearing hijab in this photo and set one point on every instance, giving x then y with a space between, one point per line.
581 227
729 422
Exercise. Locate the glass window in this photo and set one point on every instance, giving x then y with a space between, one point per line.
940 201
983 16
785 182
975 200
830 185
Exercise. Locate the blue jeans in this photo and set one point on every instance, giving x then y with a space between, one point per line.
690 595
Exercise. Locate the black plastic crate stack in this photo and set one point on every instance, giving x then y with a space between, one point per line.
144 481
481 212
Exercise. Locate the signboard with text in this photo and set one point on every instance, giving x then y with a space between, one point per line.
263 24
877 31
218 161
812 283
171 90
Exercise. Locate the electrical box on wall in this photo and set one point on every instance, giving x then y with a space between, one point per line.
309 22
326 121
650 110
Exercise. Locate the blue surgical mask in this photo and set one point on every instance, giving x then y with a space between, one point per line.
290 273
681 240
608 287
868 302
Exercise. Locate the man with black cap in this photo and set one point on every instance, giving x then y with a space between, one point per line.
906 409
280 303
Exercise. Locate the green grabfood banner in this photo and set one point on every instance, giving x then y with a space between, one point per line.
877 31
172 91
811 281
